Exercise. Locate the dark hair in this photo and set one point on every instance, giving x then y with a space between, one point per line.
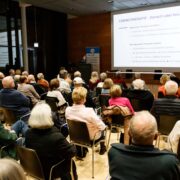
22 79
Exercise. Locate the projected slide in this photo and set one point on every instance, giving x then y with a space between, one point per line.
148 38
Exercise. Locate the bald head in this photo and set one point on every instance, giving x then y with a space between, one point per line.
8 82
143 128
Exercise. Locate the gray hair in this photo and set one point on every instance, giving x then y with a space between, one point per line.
171 87
77 74
138 84
10 169
143 128
103 76
8 82
41 117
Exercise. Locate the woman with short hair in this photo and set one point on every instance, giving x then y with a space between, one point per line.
50 145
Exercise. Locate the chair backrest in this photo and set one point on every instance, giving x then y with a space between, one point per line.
52 101
30 162
104 100
7 116
136 104
78 132
166 123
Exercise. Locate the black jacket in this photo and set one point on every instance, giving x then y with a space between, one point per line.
51 147
142 163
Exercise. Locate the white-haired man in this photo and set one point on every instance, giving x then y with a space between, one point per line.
140 96
141 160
12 99
170 104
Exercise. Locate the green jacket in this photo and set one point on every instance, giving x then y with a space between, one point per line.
7 142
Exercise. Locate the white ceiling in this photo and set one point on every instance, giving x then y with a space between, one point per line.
86 7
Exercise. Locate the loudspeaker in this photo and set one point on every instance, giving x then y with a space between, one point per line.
129 76
157 76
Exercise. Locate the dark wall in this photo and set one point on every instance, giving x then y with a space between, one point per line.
50 30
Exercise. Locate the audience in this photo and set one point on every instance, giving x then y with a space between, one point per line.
50 145
173 138
55 92
28 90
39 89
161 89
12 99
94 80
108 82
141 98
81 113
11 170
170 104
119 80
103 76
43 82
141 160
78 82
63 84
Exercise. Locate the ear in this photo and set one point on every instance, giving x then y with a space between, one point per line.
156 136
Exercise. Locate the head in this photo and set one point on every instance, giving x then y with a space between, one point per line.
78 82
164 78
23 79
77 74
1 75
138 84
18 72
11 72
79 95
31 78
103 76
63 73
10 169
94 74
41 117
8 82
108 82
25 73
54 84
40 76
171 87
17 77
143 128
115 91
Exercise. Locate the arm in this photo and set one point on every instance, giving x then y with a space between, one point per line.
33 91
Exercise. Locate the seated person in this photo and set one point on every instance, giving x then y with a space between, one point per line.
117 100
78 82
50 145
55 92
7 138
141 160
94 80
28 90
161 89
108 82
39 89
145 97
43 82
173 138
81 113
12 99
103 76
170 104
11 169
119 80
64 86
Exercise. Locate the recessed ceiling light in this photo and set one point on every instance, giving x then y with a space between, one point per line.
110 1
